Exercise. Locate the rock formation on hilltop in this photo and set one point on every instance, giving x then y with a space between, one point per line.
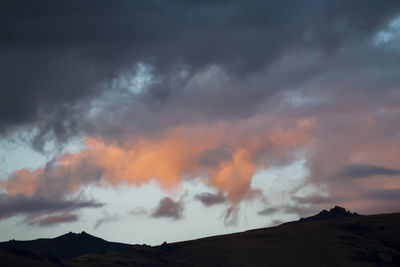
336 212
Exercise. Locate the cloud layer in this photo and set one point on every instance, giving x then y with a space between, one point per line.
214 91
169 160
72 53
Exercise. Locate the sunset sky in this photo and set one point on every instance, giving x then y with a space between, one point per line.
167 120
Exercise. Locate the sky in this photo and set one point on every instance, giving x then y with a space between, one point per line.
151 121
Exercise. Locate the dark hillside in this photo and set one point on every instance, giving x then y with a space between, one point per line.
329 240
66 246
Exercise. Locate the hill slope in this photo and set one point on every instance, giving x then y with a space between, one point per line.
345 241
349 241
64 247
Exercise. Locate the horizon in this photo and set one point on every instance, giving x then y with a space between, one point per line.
300 220
145 122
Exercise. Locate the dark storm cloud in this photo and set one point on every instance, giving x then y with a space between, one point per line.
20 204
51 220
210 199
168 208
57 57
359 171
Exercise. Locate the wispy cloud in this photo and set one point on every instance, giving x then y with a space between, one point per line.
268 211
20 204
360 171
384 194
106 218
51 220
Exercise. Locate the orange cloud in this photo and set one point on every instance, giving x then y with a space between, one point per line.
23 181
168 160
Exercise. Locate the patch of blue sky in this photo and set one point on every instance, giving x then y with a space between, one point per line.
126 85
16 153
389 33
136 80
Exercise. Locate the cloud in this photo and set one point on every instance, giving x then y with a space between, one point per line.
268 211
233 95
383 194
106 218
168 208
364 138
212 157
359 171
231 216
168 160
67 59
20 204
51 220
315 200
210 199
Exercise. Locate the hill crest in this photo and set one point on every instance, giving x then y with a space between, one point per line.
333 213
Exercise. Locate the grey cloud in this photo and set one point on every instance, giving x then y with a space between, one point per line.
231 215
210 199
51 220
383 194
359 171
215 156
52 69
20 204
169 208
268 211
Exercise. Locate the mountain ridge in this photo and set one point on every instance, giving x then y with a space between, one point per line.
347 240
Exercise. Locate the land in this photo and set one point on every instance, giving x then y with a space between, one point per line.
330 238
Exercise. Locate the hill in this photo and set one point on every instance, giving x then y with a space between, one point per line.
63 247
372 240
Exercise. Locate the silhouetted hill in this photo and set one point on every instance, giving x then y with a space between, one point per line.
22 257
336 212
66 246
345 240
